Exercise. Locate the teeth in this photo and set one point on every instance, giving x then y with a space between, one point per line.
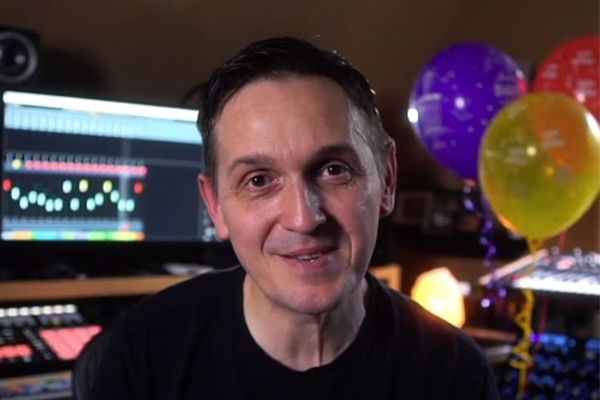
309 257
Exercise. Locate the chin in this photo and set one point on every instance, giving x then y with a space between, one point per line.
312 300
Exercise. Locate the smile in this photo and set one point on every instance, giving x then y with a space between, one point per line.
314 256
309 257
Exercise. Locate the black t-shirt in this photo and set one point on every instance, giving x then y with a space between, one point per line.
191 341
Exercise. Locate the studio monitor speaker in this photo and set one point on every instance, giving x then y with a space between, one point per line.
19 56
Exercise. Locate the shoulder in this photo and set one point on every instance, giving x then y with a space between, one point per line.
434 348
161 334
417 328
192 300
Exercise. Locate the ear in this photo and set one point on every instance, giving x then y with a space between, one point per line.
388 196
209 194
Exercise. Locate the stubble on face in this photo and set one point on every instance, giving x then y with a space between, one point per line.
283 133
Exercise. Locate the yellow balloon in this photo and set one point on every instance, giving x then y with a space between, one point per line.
539 164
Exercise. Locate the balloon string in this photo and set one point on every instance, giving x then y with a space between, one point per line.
487 236
535 245
522 350
481 207
523 359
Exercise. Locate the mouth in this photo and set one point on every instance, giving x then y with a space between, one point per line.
309 255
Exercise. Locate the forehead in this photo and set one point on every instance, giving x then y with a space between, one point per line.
293 96
284 117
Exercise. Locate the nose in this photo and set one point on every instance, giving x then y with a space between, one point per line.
301 208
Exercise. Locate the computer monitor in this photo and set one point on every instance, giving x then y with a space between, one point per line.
88 170
94 170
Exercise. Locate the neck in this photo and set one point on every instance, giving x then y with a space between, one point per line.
302 341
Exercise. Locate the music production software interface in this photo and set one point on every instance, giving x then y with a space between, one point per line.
94 170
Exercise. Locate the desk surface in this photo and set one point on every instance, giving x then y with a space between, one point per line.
54 289
85 288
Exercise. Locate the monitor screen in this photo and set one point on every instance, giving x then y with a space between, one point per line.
76 169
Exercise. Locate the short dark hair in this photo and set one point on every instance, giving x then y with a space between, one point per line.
279 58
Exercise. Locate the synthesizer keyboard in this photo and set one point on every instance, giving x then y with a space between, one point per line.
551 271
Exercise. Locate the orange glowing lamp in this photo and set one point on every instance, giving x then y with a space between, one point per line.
437 290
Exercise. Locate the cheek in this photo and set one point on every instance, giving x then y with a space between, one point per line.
367 200
364 216
355 212
247 223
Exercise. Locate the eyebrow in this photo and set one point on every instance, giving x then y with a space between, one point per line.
335 150
264 160
251 160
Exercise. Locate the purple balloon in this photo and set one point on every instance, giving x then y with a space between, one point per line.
456 96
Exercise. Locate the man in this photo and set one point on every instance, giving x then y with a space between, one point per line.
299 171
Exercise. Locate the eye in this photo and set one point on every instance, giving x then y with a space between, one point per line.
335 169
257 182
336 172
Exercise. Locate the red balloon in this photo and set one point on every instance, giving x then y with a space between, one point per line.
574 69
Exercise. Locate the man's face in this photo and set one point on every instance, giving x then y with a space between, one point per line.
297 192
